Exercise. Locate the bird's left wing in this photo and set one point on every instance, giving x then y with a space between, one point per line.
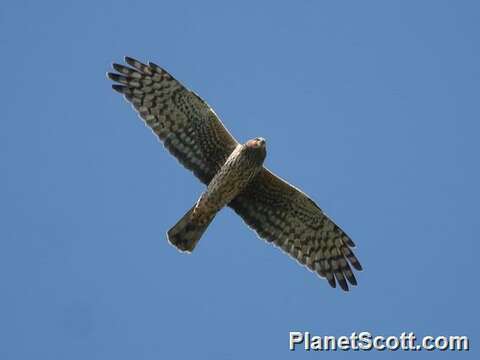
186 125
285 216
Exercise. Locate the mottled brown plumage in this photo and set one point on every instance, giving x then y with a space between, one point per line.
235 177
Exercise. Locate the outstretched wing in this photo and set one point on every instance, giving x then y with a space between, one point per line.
186 125
285 216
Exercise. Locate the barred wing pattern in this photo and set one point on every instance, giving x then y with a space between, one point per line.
186 125
285 216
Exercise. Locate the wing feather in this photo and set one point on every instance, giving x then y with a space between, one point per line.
186 125
285 216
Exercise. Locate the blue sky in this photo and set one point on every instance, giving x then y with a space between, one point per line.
370 107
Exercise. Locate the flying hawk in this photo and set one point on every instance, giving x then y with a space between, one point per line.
235 176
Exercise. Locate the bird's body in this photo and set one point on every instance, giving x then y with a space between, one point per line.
241 167
235 176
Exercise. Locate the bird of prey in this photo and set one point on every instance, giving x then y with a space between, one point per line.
234 175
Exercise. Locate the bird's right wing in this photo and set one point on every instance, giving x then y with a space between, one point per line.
186 125
285 216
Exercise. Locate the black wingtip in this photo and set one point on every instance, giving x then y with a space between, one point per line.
118 67
155 66
350 277
112 76
132 62
119 88
158 68
357 266
341 281
344 286
350 243
128 59
331 281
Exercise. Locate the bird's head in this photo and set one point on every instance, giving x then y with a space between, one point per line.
257 148
256 143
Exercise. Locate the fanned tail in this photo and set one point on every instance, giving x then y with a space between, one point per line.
187 231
